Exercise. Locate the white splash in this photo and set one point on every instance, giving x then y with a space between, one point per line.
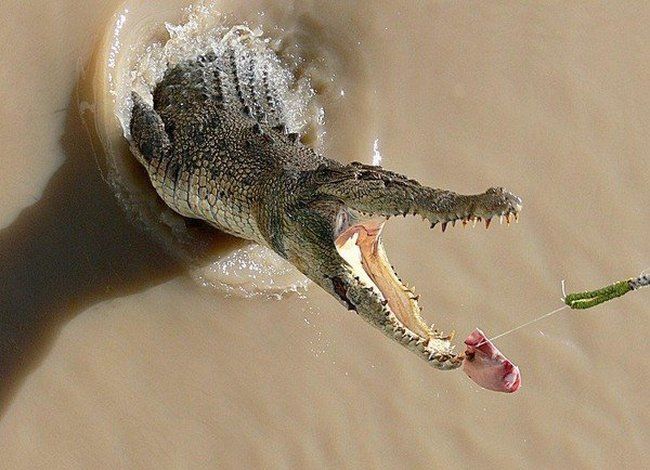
376 156
253 270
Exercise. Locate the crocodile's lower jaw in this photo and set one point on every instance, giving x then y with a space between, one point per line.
361 247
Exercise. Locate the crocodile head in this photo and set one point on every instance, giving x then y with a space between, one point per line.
336 240
216 147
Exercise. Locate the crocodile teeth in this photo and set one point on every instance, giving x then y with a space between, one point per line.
444 227
487 223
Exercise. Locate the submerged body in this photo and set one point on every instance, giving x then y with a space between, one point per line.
216 148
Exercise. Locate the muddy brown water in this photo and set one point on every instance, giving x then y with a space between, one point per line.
114 355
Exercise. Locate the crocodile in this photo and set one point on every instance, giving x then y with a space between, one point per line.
215 143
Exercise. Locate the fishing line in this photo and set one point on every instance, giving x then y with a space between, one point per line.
546 315
587 299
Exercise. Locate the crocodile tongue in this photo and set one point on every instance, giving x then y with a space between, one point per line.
360 245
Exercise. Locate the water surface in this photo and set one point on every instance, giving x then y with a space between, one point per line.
113 355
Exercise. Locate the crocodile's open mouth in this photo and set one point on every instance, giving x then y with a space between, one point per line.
362 248
359 243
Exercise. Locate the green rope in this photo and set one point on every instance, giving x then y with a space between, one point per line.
588 299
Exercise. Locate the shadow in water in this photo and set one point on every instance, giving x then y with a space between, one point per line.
73 248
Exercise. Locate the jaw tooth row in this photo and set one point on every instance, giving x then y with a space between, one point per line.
402 332
423 344
475 220
443 356
464 219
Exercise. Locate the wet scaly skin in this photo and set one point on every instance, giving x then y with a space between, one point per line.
212 152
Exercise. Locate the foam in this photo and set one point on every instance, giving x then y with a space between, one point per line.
248 271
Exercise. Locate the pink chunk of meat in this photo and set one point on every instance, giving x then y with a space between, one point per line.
486 366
